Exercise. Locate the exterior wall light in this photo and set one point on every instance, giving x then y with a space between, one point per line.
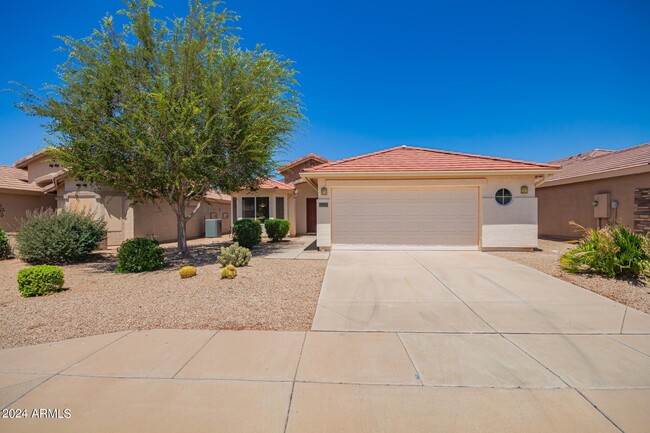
323 191
524 189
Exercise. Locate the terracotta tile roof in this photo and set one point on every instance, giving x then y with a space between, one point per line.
604 161
582 156
16 179
49 178
418 159
275 184
22 162
301 160
217 196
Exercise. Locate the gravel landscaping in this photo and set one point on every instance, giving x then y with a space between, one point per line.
633 293
267 294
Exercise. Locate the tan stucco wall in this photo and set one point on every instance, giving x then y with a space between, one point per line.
159 220
220 211
16 206
511 226
126 221
305 191
573 202
39 168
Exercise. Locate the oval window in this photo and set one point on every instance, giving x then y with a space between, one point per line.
503 196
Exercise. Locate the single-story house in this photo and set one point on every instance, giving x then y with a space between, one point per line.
410 197
17 195
293 198
594 189
35 182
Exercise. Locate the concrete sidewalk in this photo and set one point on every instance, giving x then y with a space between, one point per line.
266 381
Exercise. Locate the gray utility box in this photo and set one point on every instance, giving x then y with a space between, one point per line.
212 228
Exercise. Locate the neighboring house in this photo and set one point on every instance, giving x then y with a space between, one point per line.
18 195
597 188
409 197
35 182
293 198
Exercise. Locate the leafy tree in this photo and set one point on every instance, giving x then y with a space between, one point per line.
169 109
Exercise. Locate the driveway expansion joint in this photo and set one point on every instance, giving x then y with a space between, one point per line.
195 353
65 368
623 321
417 373
293 384
452 292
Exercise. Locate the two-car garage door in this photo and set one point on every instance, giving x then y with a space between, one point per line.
437 218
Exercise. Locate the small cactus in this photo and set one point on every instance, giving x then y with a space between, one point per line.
229 272
234 255
188 272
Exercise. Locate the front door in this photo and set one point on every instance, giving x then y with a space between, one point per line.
311 215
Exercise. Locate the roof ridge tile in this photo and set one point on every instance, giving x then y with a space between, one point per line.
403 157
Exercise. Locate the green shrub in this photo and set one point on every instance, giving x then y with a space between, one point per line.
40 280
229 272
247 233
140 255
187 272
234 255
613 251
277 229
64 237
5 248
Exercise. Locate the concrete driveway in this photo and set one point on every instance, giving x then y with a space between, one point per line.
468 343
466 292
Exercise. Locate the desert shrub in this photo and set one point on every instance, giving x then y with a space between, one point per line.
229 272
277 229
247 233
63 237
234 255
188 272
140 255
40 280
613 251
5 248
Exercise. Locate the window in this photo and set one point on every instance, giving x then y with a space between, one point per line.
248 207
503 197
279 207
255 208
234 208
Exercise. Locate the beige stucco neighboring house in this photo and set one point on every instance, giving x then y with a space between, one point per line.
418 198
293 198
594 189
35 182
18 195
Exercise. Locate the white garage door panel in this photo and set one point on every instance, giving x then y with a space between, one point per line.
440 217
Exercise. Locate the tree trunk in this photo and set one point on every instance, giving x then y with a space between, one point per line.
181 224
181 230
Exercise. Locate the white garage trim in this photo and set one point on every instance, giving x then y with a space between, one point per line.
405 218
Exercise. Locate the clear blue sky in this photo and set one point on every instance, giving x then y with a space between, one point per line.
519 79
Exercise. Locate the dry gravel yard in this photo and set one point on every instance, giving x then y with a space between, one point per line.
634 293
267 294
